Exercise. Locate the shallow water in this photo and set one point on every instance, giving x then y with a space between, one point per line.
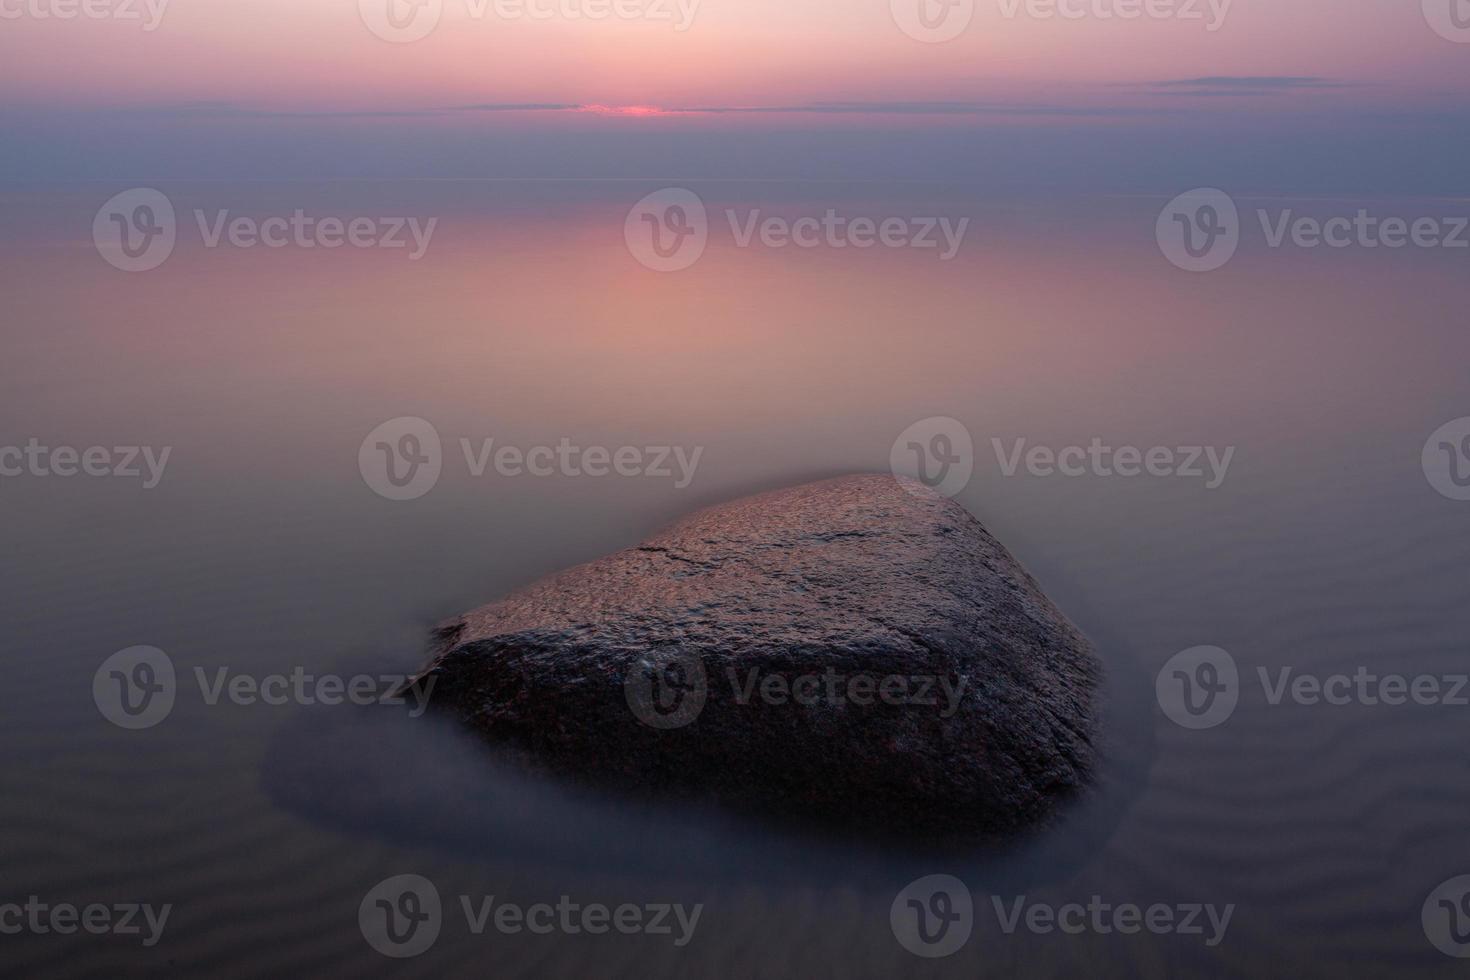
262 549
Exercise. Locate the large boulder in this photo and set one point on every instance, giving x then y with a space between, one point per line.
859 650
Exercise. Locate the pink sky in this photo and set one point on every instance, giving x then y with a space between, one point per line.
318 54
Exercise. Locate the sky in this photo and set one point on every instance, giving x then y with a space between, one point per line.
1072 92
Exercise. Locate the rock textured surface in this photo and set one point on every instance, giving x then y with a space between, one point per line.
858 650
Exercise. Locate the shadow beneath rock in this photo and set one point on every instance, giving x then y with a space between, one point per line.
378 772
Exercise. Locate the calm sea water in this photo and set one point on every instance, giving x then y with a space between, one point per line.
262 550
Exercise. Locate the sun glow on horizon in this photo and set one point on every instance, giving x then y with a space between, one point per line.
629 110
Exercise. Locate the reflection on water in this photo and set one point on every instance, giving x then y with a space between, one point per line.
528 322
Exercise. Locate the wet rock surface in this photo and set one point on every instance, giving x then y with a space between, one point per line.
857 651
